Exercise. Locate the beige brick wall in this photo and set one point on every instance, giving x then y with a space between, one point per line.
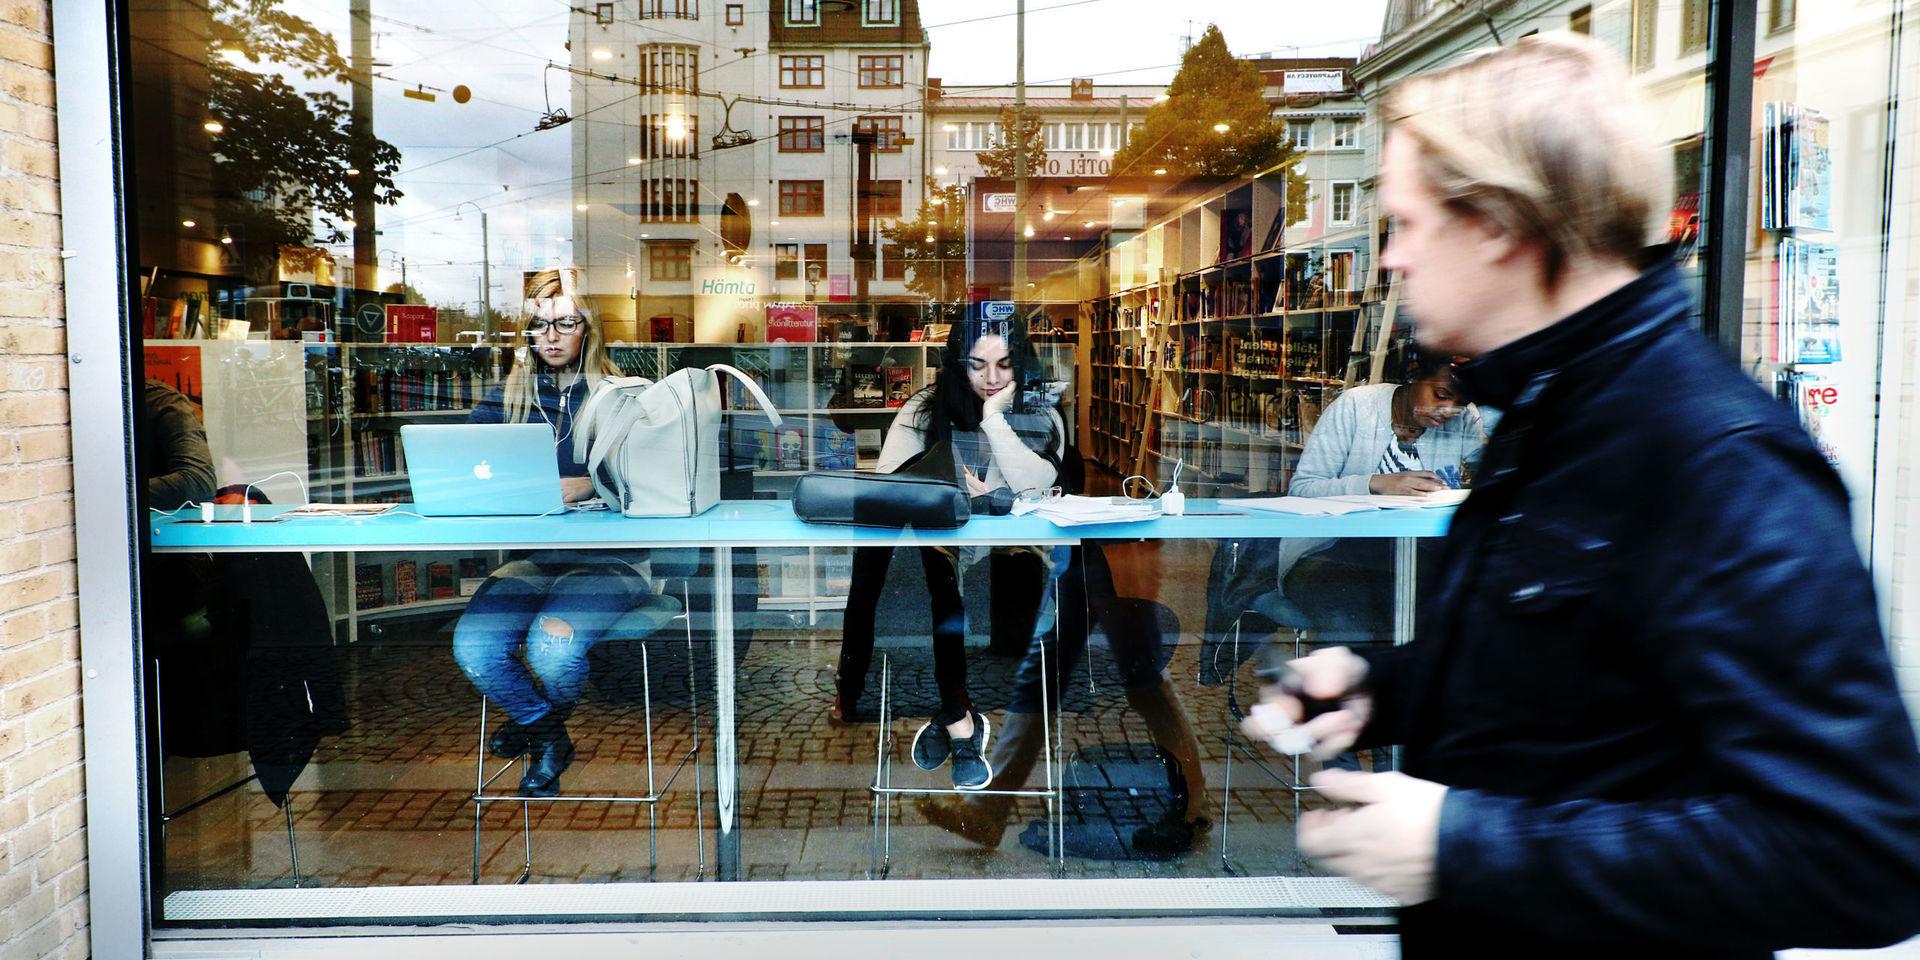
43 853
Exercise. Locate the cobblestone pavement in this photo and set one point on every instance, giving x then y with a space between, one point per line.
389 801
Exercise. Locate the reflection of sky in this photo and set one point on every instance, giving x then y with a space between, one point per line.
485 151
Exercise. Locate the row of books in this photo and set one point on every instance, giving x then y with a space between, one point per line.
879 387
405 391
377 453
377 585
1198 352
1807 295
786 448
1796 168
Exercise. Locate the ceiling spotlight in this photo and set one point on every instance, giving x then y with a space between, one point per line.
1089 224
939 171
774 223
754 202
645 235
580 207
1029 231
189 224
603 54
226 237
1222 127
930 238
1048 216
633 161
559 239
1066 238
213 126
353 171
1159 171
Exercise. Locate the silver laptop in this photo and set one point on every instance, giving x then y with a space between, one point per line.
481 469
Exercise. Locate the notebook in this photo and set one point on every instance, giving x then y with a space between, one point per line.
481 469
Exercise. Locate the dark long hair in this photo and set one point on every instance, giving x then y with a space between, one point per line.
951 403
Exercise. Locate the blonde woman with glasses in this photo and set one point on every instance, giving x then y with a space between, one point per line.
524 637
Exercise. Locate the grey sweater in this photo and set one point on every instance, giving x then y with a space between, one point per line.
1344 451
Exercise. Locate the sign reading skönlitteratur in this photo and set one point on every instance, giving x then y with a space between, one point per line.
1313 81
997 203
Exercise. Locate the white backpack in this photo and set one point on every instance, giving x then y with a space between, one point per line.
651 448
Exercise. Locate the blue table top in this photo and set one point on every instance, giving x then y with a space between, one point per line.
743 523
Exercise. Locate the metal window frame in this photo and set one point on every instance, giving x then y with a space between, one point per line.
90 53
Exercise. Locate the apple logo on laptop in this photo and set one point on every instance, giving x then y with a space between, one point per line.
483 471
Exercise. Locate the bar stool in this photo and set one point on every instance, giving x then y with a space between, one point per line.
640 623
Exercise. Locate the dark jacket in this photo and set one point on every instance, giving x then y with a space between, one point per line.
1650 669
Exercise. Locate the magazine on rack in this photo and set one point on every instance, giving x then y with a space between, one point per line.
1810 302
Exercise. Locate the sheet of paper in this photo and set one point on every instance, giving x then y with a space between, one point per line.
338 510
1305 506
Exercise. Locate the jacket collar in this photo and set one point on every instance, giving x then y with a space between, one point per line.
1513 376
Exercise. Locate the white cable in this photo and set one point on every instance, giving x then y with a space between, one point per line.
246 495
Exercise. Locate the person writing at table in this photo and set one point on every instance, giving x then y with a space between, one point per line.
1406 439
982 407
524 637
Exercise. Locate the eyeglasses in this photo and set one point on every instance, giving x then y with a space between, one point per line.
564 325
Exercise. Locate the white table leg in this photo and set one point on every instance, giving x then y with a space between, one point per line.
726 774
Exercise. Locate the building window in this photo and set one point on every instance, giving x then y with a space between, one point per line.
1300 134
670 68
803 70
1780 14
1050 134
736 14
883 198
1695 22
786 261
1096 136
893 266
803 198
1581 21
670 261
1645 12
956 135
803 134
882 71
661 136
882 12
1340 204
669 9
669 200
1346 132
1073 136
889 130
803 13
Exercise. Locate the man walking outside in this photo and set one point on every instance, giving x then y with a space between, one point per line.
1649 711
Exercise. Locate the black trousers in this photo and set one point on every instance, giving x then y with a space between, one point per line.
1018 579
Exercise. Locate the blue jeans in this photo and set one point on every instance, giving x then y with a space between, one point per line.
555 613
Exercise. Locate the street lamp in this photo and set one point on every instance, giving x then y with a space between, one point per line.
486 269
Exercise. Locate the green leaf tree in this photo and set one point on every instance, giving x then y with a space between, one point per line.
934 245
283 158
999 161
1180 133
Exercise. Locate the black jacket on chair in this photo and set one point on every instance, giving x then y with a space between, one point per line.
1651 670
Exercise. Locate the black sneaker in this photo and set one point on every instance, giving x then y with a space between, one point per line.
931 745
971 771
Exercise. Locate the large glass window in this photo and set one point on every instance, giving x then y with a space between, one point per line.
329 285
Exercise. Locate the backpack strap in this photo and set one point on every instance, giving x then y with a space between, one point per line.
753 390
599 400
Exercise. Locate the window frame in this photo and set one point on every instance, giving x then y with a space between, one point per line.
810 10
786 261
792 192
791 67
1352 139
736 15
1304 124
670 254
790 133
866 69
867 7
886 198
890 127
1334 188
